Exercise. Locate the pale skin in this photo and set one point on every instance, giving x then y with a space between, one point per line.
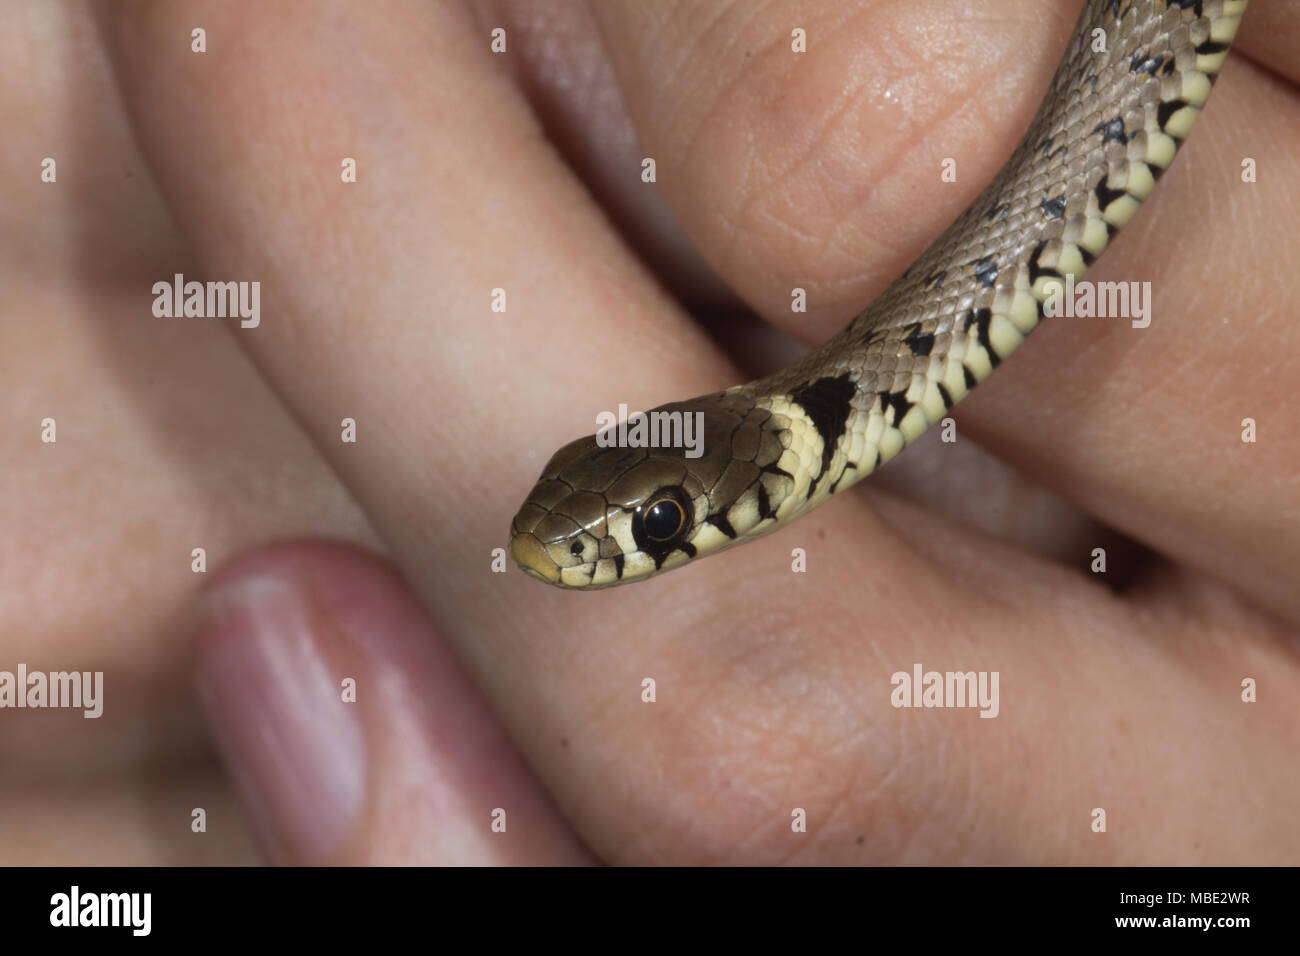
476 690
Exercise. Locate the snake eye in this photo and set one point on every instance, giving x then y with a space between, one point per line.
661 525
663 519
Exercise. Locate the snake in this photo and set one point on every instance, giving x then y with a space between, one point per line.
1133 79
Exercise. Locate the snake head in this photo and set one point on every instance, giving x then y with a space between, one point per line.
602 514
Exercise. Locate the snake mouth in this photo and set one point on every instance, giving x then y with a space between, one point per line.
532 558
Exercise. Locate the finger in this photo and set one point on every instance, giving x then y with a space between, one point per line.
388 322
113 438
350 731
1271 37
820 171
561 66
399 316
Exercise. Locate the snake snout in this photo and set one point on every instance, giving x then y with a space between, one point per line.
533 558
559 540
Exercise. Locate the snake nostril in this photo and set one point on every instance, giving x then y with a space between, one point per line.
576 549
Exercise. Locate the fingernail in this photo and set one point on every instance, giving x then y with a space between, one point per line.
275 705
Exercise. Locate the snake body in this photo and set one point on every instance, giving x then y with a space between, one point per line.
1134 78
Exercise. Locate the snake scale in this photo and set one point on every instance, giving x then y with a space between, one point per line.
1134 78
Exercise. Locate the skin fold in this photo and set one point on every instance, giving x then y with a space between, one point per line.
479 691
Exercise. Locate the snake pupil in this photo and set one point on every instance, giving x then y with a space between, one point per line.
662 525
663 519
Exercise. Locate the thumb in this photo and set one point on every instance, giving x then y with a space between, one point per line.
350 731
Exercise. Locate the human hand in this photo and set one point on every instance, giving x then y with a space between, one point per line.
772 688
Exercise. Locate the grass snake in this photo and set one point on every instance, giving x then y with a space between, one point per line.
1134 78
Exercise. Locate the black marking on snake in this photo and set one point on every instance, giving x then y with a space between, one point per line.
1112 131
974 316
660 557
898 401
1196 6
764 503
1168 67
1166 111
921 343
986 270
1156 171
774 469
827 403
873 336
618 565
1046 144
880 460
969 377
1106 195
1053 208
1088 257
982 319
1091 77
1036 271
935 279
720 522
945 395
1140 62
847 466
994 358
999 212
